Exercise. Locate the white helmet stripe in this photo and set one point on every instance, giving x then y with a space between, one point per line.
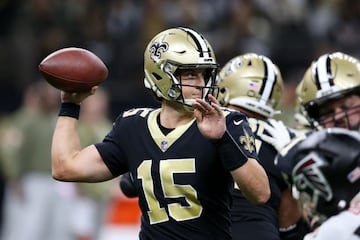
201 43
269 82
323 73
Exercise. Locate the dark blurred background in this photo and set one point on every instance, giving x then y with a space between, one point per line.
291 32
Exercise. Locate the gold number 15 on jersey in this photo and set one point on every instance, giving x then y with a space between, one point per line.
167 169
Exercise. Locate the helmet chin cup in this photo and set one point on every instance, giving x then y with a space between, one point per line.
189 102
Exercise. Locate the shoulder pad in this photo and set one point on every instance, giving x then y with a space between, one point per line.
142 112
227 111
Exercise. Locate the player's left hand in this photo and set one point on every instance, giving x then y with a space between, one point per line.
209 117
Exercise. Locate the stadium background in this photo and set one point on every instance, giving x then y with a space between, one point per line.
291 32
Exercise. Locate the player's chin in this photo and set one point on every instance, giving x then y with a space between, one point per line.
189 101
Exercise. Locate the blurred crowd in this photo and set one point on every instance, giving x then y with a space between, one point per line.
32 199
291 32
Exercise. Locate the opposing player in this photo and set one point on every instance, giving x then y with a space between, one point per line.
325 170
183 157
252 84
329 97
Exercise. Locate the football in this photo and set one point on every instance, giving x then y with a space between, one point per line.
73 69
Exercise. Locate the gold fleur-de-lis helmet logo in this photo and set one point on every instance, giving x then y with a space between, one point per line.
248 142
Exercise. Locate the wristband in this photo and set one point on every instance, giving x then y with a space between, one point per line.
69 109
231 154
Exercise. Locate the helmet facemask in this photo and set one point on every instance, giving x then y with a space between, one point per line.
309 213
210 86
321 113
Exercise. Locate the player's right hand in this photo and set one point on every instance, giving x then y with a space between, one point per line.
77 97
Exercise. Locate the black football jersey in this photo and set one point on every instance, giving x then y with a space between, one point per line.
243 211
183 188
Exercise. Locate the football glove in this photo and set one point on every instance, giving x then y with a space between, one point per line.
276 134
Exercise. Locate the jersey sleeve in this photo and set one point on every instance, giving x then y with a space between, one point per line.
111 151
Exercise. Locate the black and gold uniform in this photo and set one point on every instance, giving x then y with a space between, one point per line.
247 217
182 179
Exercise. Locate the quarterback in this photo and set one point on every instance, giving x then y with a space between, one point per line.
183 157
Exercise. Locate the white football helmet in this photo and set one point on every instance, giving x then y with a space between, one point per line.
178 49
253 82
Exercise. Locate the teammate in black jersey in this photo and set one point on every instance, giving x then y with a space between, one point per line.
183 157
252 84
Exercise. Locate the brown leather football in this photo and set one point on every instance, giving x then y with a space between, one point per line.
73 69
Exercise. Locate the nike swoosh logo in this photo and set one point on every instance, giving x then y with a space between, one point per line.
238 122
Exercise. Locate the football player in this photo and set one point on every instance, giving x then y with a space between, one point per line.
325 170
329 93
253 85
183 157
329 98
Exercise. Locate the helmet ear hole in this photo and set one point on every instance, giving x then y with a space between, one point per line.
223 96
312 110
156 76
174 92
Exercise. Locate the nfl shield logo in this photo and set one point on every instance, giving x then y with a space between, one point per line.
164 145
